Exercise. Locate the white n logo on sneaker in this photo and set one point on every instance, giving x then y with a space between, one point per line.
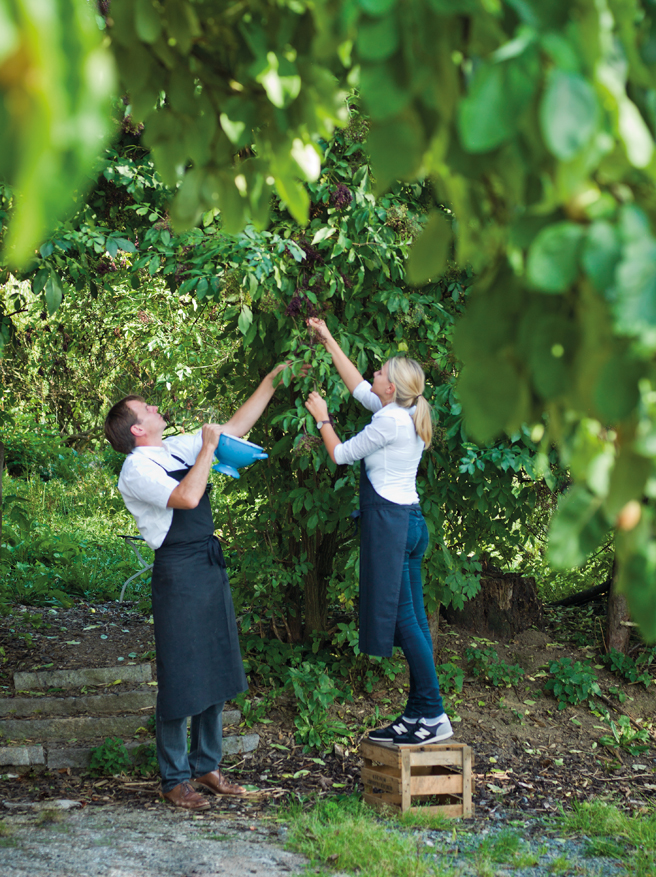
423 733
400 728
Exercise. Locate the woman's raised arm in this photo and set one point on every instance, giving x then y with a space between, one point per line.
347 371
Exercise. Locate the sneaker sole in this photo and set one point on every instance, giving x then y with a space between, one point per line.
437 739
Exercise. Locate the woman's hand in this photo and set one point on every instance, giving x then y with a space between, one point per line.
321 330
317 406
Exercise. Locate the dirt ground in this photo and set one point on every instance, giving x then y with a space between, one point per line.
529 756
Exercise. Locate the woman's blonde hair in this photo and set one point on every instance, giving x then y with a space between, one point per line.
409 379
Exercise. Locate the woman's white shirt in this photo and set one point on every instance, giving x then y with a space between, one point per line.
146 487
389 446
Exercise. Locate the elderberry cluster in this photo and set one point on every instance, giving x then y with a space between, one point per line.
300 303
341 197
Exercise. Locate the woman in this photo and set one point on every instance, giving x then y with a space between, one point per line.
393 532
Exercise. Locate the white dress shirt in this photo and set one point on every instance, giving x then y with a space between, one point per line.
389 446
146 487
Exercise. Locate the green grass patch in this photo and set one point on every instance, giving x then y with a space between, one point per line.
613 834
342 833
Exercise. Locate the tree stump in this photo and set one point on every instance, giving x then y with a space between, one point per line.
506 605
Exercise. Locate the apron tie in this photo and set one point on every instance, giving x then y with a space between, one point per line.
215 552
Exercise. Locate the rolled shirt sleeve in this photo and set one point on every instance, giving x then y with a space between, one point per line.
145 481
380 432
365 397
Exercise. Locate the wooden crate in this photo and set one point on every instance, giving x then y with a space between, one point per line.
401 775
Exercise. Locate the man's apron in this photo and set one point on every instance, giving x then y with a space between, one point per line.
383 540
196 643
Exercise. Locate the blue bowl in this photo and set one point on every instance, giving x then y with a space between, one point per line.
234 453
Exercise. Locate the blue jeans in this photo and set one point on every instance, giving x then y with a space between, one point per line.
175 764
411 632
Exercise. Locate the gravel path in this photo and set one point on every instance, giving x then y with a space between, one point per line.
120 841
44 840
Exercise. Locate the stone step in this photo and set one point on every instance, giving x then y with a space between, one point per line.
111 704
55 757
84 727
30 681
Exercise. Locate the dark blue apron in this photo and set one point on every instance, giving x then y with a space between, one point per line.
383 540
196 642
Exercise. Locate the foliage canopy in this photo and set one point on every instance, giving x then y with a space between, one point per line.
534 123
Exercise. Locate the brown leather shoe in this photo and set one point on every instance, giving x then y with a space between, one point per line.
216 783
184 795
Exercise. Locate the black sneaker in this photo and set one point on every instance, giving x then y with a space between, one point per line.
391 732
420 734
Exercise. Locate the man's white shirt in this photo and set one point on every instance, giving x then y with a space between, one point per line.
389 446
146 487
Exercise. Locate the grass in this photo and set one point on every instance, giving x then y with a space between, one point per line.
612 834
344 834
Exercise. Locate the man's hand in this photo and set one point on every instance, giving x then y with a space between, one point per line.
305 369
211 433
317 406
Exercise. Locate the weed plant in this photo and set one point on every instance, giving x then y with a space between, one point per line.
627 667
110 758
572 682
485 663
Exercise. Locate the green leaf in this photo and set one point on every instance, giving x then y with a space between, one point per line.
498 95
376 7
245 319
147 21
569 114
54 293
295 197
125 245
601 254
577 528
616 391
430 251
396 149
627 481
39 280
323 233
379 39
634 306
553 257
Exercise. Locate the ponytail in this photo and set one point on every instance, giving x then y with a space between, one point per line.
409 379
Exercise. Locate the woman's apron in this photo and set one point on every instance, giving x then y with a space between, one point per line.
196 642
383 540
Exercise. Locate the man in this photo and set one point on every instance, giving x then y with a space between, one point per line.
164 485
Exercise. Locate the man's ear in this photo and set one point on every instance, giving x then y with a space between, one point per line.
137 430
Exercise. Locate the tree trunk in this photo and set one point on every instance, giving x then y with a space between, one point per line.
434 628
2 466
506 605
617 611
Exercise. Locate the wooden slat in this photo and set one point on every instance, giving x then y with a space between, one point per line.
452 810
384 782
467 782
406 780
380 801
384 754
383 768
437 785
446 757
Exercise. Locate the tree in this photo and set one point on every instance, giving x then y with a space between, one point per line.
534 123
